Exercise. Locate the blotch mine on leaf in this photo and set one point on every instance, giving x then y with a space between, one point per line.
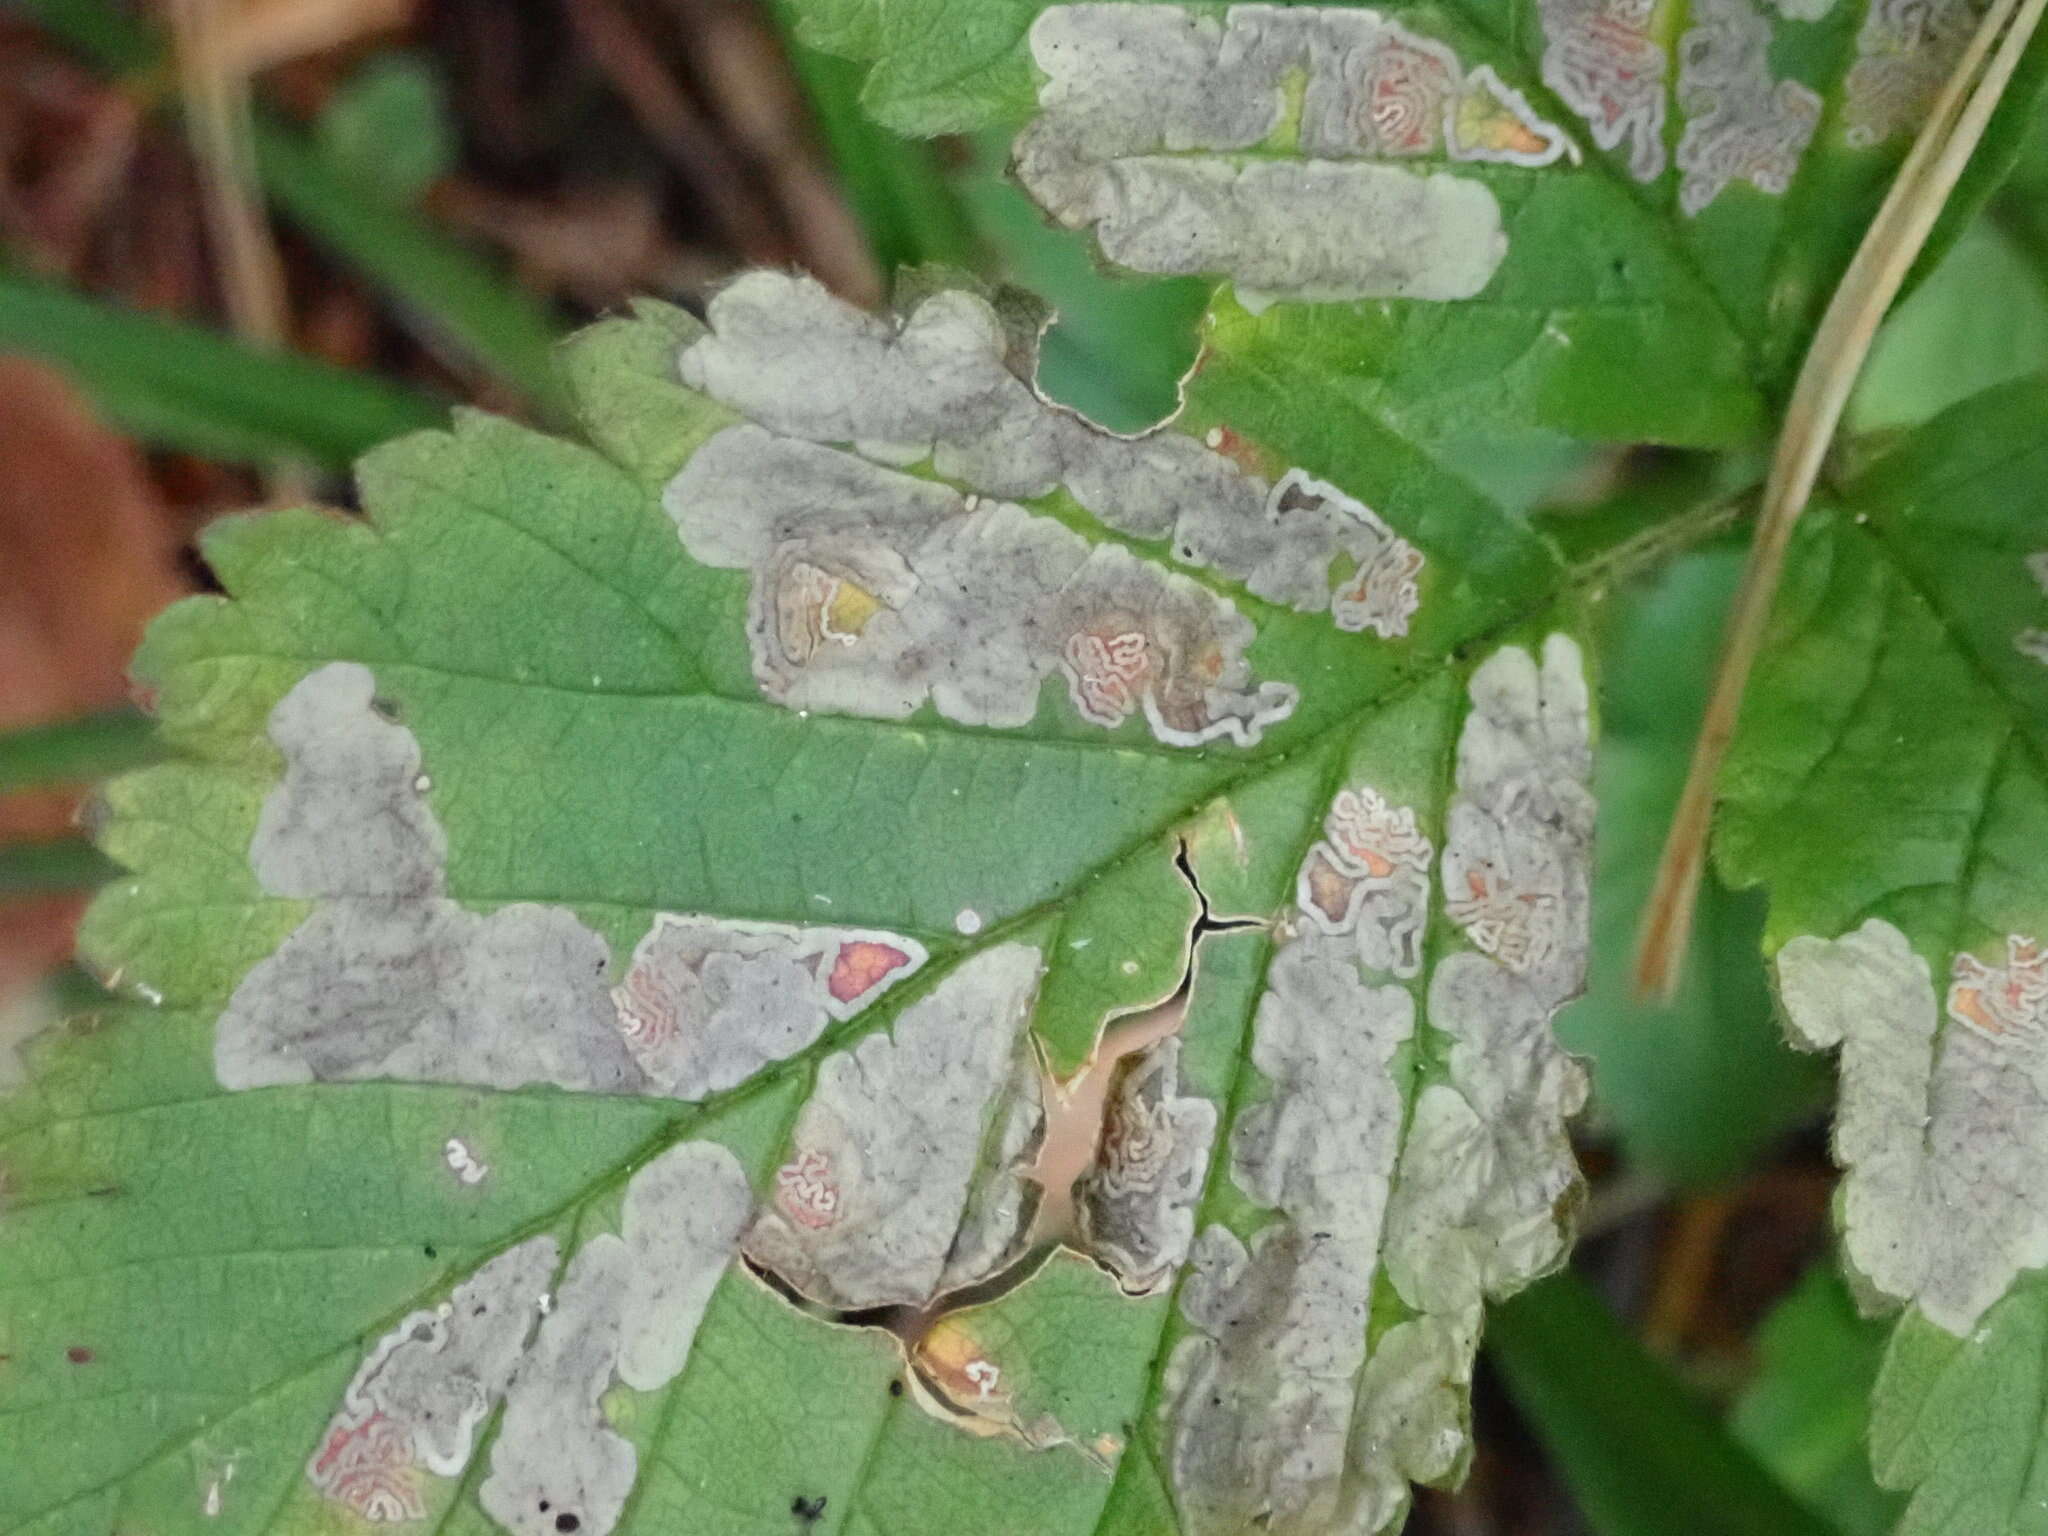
1136 1205
1003 1197
958 1382
1905 51
1741 123
683 1216
1312 519
1369 876
973 605
1516 866
388 977
414 1405
1487 1184
555 1455
1940 1132
886 1161
708 1001
2003 1000
1604 59
1413 1419
1487 1171
1148 114
939 386
347 819
628 1309
1260 1402
951 1359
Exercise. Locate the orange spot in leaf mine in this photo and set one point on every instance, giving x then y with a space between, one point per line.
954 1360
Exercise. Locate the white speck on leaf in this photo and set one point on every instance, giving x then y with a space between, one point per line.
463 1163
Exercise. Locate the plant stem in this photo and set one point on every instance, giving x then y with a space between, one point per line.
1841 344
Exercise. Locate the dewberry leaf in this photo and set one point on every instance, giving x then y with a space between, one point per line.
1890 792
1613 220
851 951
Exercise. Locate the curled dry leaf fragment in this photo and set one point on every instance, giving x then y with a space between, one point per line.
1136 1205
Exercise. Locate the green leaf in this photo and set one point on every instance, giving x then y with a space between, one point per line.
1651 274
1806 1412
1889 788
77 750
57 864
1633 1444
1016 935
387 128
895 185
1944 343
1697 1087
186 387
1959 1421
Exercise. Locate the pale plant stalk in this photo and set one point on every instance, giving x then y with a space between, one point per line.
1894 240
216 92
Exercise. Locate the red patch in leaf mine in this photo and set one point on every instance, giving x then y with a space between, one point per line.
862 965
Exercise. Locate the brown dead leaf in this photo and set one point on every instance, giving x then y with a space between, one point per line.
599 244
87 555
260 34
